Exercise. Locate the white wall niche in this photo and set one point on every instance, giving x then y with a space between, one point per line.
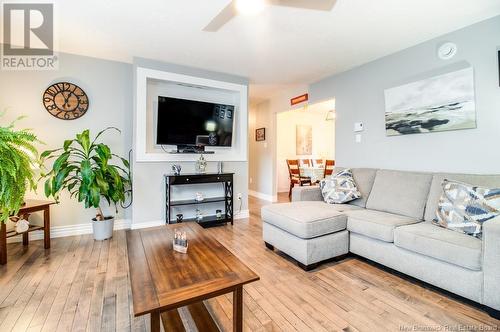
153 83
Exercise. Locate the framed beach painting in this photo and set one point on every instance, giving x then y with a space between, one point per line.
440 103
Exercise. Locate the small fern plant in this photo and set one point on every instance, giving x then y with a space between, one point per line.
18 156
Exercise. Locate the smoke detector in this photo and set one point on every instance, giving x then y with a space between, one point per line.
447 51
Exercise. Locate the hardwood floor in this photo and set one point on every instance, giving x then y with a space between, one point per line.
83 285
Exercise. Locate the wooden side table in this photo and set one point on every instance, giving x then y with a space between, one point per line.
30 207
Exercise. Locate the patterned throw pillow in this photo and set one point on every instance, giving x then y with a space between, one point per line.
464 208
339 188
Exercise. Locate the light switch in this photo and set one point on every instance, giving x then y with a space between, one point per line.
358 138
358 126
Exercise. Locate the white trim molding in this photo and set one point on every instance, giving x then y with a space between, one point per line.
83 229
243 214
239 150
71 230
266 197
147 224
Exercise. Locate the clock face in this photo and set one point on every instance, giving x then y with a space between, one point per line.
65 101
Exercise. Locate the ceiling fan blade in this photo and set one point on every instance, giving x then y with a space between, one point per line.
325 5
222 18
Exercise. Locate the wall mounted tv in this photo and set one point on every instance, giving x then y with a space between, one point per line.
193 123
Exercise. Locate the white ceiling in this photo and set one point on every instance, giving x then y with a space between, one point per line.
279 47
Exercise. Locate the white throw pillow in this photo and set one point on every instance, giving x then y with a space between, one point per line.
339 188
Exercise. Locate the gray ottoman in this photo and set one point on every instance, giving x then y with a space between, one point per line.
310 232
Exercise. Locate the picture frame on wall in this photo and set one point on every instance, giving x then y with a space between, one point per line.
260 134
439 103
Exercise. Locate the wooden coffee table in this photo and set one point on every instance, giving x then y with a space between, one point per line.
164 280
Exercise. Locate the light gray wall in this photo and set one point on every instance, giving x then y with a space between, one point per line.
149 185
108 85
359 95
262 155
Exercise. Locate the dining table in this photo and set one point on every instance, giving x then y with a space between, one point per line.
316 173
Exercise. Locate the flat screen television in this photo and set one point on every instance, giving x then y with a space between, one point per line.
193 123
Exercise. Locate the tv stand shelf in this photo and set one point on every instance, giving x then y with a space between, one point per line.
195 202
191 152
185 179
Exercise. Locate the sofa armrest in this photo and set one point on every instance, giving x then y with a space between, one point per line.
491 263
309 193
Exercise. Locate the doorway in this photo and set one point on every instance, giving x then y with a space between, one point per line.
307 135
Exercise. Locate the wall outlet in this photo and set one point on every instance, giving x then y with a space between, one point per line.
358 138
239 196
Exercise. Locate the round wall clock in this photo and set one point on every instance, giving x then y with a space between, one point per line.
65 101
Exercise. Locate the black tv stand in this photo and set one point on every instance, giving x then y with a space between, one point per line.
189 179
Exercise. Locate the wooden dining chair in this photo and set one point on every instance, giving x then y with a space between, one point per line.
318 162
305 162
329 167
295 177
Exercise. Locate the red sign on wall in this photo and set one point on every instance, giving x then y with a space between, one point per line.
299 99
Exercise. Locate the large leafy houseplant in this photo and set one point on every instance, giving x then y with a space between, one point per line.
18 155
84 168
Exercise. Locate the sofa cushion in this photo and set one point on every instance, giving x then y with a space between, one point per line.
489 181
400 192
440 243
376 224
306 220
364 178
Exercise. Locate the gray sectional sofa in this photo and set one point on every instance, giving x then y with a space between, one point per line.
391 225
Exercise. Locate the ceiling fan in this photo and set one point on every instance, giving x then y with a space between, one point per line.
236 7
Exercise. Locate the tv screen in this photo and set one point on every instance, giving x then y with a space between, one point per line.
189 122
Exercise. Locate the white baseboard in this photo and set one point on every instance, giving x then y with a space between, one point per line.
82 229
266 197
70 230
243 214
147 224
155 223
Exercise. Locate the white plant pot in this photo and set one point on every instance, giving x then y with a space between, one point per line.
103 230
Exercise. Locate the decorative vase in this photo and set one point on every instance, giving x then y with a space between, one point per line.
201 165
199 197
199 215
176 169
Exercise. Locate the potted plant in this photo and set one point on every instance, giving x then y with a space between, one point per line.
18 155
83 167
